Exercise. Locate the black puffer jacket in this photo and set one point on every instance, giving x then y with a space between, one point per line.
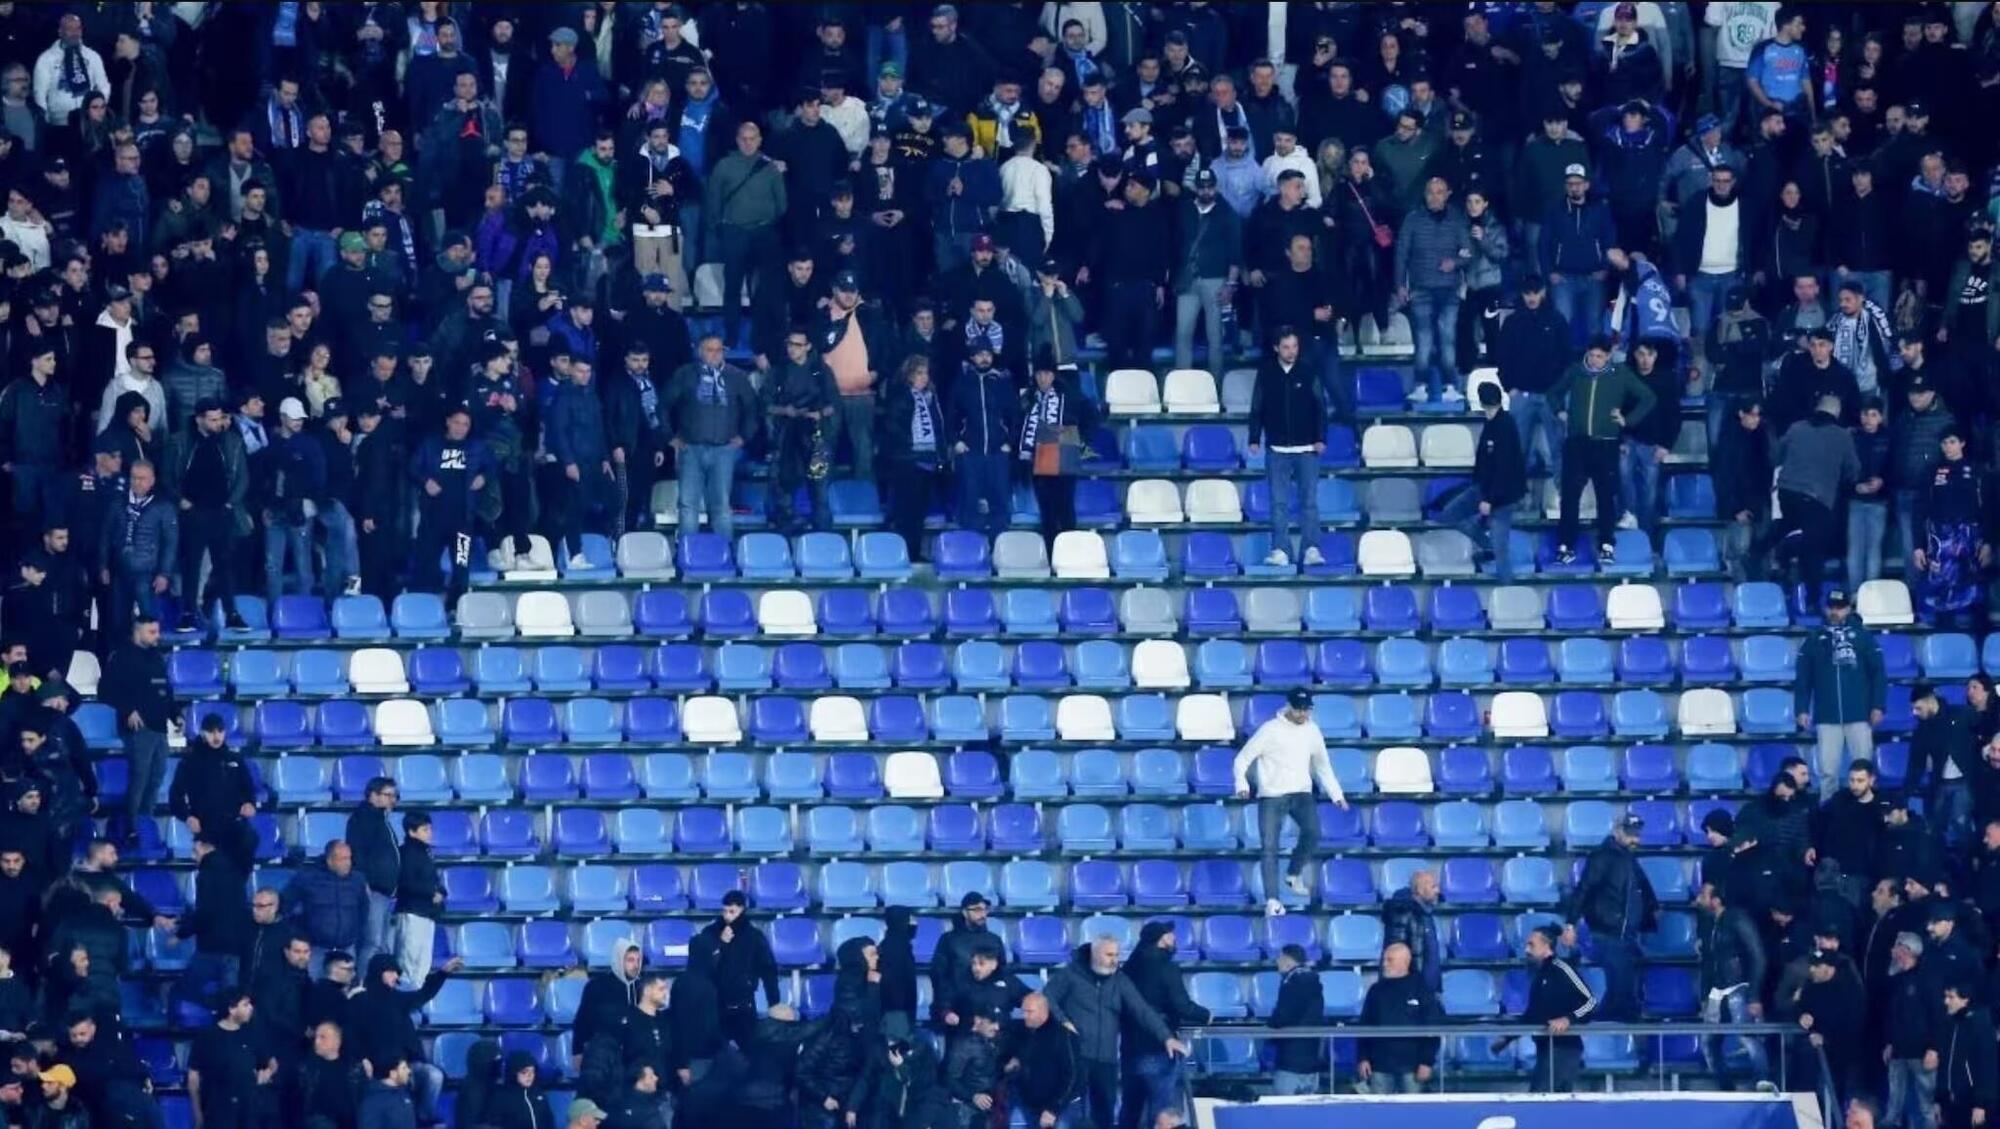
1152 970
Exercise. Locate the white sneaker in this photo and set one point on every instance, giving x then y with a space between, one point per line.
1314 556
1273 908
508 557
1452 395
354 586
1278 558
1420 395
1296 883
579 561
497 561
1628 520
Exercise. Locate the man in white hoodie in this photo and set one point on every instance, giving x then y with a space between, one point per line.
140 365
1286 154
1289 753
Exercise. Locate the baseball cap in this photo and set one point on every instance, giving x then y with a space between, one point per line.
1918 383
1915 108
1632 824
1299 700
1943 911
1205 178
1837 598
1707 123
918 108
890 69
1050 266
1140 115
61 1075
332 408
583 1109
1912 942
1577 171
982 242
656 282
1461 120
845 280
352 241
290 408
1626 12
563 35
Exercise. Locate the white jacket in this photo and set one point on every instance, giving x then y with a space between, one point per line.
1027 186
1288 758
56 102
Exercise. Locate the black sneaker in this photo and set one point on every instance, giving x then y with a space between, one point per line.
1565 555
235 622
189 623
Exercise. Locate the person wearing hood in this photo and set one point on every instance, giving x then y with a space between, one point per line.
610 993
652 182
857 991
136 375
743 963
388 1099
130 432
480 1086
643 1104
1095 999
896 962
385 1035
696 1013
518 1103
898 1087
328 1084
1152 1075
831 1062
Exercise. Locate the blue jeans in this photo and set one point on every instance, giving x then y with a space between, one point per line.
1706 295
1911 1094
1434 320
1950 810
40 493
690 246
1152 1083
1619 957
1733 1008
378 935
1286 1083
1492 534
706 473
1294 480
278 537
1579 298
1906 533
1867 524
1639 477
1534 413
343 554
1877 285
313 254
1332 381
988 479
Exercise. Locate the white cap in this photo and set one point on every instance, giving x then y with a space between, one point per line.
291 408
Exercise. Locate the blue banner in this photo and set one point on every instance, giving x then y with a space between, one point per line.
1497 1111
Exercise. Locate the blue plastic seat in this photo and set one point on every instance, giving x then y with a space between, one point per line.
853 776
1899 656
1525 661
726 613
1578 714
1281 663
1529 880
500 670
972 774
1768 709
1015 829
1209 448
701 830
1464 662
1949 655
1399 825
1101 665
922 666
1140 554
799 666
343 723
419 615
1332 610
198 673
507 833
1518 825
1390 717
1088 611
1644 660
1391 609
1212 611
1085 829
880 555
1342 662
971 612
662 613
1150 447
1760 604
962 554
1097 773
1457 609
1205 555
1025 718
530 722
319 673
1469 993
1639 713
1459 825
301 617
833 831
1588 768
1463 771
777 721
1402 662
1097 885
960 718
1702 606
1769 658
1576 607
1023 611
360 618
787 777
705 556
1038 665
619 668
560 670
764 556
1218 884
1691 552
1584 660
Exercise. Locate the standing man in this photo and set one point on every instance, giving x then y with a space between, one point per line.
743 963
1152 1073
1946 749
1094 999
1730 953
1301 1003
330 901
209 475
712 410
1133 262
214 793
576 436
1410 919
637 430
1289 753
450 470
1211 249
1616 900
228 1066
1967 1086
1396 999
135 686
983 419
853 344
1840 691
137 551
1596 400
742 202
419 897
1484 510
1434 243
379 858
1557 999
1287 410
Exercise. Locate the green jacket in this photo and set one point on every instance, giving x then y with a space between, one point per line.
1590 397
1840 674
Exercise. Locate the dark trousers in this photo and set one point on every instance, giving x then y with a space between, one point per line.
1333 380
593 493
1557 1067
1100 1090
443 529
1812 522
1619 957
517 491
1128 323
1055 496
40 493
910 486
635 482
1594 461
985 479
209 533
382 552
146 760
746 254
792 452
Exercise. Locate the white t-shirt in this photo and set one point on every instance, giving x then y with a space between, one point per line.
1741 25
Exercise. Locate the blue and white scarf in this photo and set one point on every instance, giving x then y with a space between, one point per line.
710 388
923 423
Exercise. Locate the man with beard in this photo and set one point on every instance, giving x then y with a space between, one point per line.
451 471
327 1000
327 1088
803 403
385 1035
111 1081
230 1071
214 794
20 909
743 963
279 990
49 602
854 345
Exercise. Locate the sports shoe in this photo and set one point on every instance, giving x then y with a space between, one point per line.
1420 395
1606 554
189 622
1628 520
499 560
234 622
1565 555
508 557
1273 908
1452 395
579 561
1277 558
1296 883
1314 556
353 586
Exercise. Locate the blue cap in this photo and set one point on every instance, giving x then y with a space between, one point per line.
655 282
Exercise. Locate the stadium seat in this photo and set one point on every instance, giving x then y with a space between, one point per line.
1635 607
1387 552
1516 608
1334 610
1884 603
1457 609
1769 658
1519 715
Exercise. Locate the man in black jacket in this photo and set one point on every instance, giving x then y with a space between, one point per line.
1152 1076
1731 955
1532 351
1301 1003
219 922
135 687
951 963
1286 409
419 897
1409 918
1968 1082
743 963
1910 1017
379 859
109 1077
1559 999
1299 291
1833 1009
385 1034
1045 1073
1499 482
1132 264
1615 898
1848 831
696 1013
214 794
1945 749
1396 999
637 431
1742 468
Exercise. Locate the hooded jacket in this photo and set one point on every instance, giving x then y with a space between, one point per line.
742 964
896 1095
382 1028
515 1106
896 962
1152 971
607 997
695 1010
854 996
1841 677
1098 1006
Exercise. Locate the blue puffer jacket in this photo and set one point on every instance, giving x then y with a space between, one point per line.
331 909
148 542
574 430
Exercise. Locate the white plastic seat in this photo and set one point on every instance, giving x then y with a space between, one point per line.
538 564
1707 712
1153 501
1191 391
1160 664
1448 445
1021 554
604 615
839 719
645 554
377 670
1204 717
543 615
710 720
1691 445
1388 446
708 287
1238 386
786 611
1403 770
1386 552
1147 611
1214 500
911 775
1586 504
667 502
1520 713
84 673
1085 717
1273 611
1479 376
1635 607
484 615
403 722
1516 607
1393 341
1080 553
1445 553
1132 392
1884 603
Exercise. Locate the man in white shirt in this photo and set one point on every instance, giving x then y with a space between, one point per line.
68 73
1289 754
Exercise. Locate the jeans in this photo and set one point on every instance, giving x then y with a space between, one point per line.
1641 482
1732 1008
1706 295
691 246
706 474
1383 1082
130 592
1152 1083
1580 300
1906 534
1294 481
279 537
313 254
1325 353
885 45
854 417
1203 296
426 1083
40 493
1743 547
1867 524
1911 1090
1287 1083
1856 740
416 939
1878 286
985 478
146 770
1619 957
1531 244
1434 320
378 935
1492 533
343 550
1272 811
1534 414
1950 810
